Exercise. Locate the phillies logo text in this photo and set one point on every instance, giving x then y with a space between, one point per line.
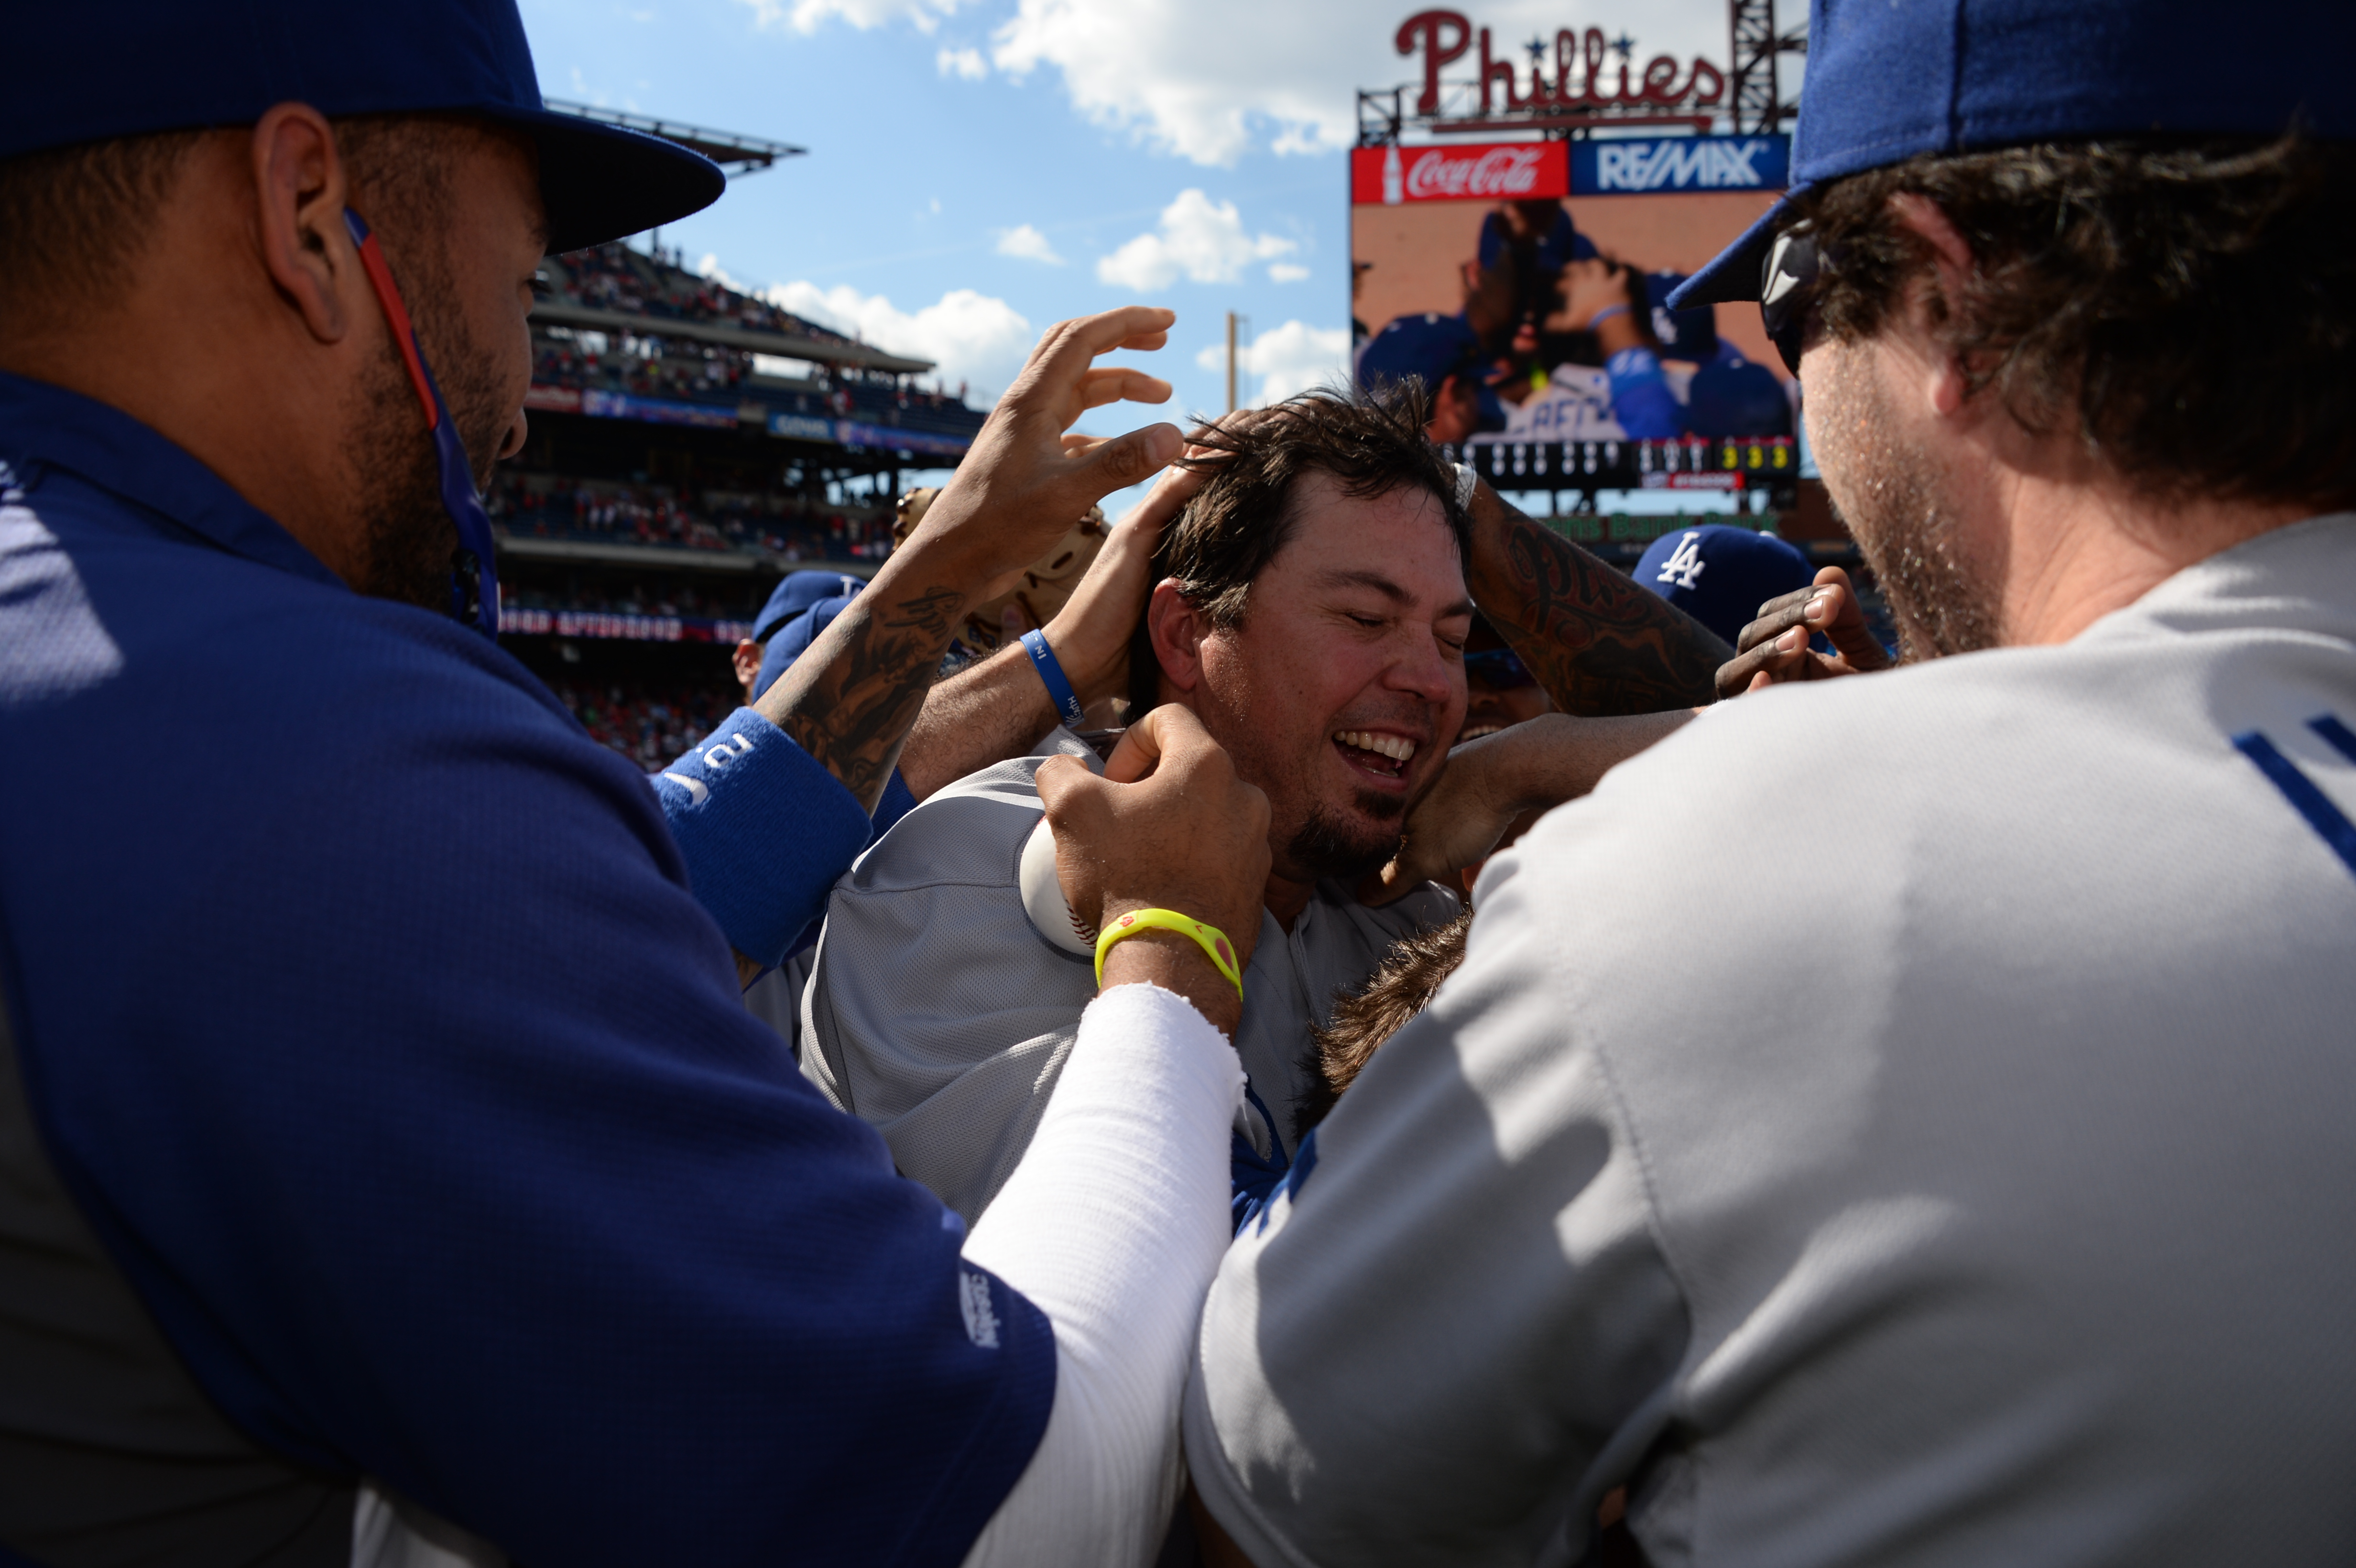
1580 78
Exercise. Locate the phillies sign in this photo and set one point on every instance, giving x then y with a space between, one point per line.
1582 78
1511 171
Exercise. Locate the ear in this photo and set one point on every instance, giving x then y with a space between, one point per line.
300 194
747 660
1177 629
1952 264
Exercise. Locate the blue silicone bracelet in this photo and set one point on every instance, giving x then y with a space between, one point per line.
1059 691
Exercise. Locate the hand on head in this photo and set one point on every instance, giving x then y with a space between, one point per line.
1774 647
1092 633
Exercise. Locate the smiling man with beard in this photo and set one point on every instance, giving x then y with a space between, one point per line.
1311 609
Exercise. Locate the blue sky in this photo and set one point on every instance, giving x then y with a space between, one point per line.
980 168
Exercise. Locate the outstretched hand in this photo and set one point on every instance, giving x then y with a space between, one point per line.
1170 826
1774 648
1027 476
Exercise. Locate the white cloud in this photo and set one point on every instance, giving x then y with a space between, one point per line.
808 16
1028 244
1291 358
1210 78
1203 242
970 337
1286 273
967 63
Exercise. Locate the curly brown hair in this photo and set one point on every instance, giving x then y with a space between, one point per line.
2186 309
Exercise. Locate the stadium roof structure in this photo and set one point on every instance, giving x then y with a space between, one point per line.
737 154
788 346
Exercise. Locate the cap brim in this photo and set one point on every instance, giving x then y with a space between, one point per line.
604 182
1733 274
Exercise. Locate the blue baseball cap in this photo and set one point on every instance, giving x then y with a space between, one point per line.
1689 334
1720 575
1729 396
1887 81
796 592
1429 347
90 73
793 639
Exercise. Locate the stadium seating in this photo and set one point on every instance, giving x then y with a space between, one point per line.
605 512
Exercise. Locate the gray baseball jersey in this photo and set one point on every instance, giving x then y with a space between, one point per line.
1904 1120
936 1012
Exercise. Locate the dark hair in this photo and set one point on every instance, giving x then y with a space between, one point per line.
1371 442
2188 308
75 220
1409 977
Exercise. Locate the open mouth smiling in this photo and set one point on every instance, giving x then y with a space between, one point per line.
1475 732
1376 753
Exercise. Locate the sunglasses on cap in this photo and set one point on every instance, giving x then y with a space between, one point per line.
1500 668
1784 293
473 577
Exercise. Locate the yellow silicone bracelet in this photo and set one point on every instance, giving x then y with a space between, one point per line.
1213 940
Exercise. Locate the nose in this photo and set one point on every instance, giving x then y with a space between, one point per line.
1423 668
512 443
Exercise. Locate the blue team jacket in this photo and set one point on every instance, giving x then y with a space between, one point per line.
366 1013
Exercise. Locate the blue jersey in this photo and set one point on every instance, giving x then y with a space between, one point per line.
367 1014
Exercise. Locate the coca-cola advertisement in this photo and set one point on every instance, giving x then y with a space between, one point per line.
1390 175
1524 283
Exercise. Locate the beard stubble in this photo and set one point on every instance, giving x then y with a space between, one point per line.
410 543
1906 523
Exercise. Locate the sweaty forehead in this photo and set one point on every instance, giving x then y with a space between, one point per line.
1397 544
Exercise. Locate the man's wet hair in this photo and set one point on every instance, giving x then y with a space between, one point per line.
1369 442
2188 309
1409 977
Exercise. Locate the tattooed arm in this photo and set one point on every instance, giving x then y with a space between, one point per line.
849 701
1599 644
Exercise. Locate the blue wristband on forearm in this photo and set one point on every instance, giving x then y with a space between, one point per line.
1059 691
764 830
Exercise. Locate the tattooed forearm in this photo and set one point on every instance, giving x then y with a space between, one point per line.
1600 644
850 700
929 614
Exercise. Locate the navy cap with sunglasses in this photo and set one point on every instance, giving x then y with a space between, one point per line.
1886 82
104 72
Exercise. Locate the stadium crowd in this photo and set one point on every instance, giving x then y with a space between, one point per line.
651 725
614 277
1317 1023
790 525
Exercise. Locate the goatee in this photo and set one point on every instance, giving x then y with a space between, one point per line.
1325 846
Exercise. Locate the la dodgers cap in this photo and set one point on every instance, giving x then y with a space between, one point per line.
87 73
1888 79
1720 575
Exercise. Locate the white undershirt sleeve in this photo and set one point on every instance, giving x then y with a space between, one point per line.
1113 1226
